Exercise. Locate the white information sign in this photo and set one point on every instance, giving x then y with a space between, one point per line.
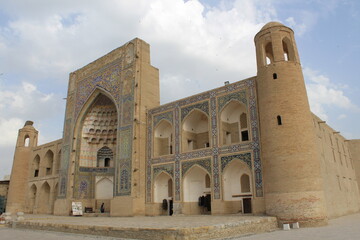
77 209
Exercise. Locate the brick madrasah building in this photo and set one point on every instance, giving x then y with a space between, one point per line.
252 146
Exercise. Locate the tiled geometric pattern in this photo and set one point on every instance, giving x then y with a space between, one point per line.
240 96
167 116
168 168
186 165
202 106
245 157
107 78
212 103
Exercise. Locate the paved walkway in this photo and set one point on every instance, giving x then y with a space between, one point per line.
344 228
160 227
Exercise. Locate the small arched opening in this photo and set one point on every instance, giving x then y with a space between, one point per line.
27 141
36 165
269 55
49 160
288 50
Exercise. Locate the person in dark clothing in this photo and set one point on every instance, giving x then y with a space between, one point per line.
102 208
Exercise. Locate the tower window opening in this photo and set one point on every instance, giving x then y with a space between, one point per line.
268 61
36 173
279 120
27 141
274 76
269 54
286 57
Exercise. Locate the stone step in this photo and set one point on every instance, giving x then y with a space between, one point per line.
108 227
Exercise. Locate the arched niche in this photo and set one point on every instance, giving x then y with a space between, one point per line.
36 166
234 124
48 162
32 198
236 181
104 188
194 184
163 138
105 157
44 204
195 131
163 187
91 124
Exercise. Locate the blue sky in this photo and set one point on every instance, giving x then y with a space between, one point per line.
197 45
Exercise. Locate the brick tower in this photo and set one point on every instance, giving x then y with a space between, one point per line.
27 139
291 162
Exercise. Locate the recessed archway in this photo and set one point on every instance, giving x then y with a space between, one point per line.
32 198
44 204
163 138
48 163
36 166
163 187
236 180
195 131
234 127
194 184
104 188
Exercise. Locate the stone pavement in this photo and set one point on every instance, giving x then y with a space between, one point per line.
160 227
343 228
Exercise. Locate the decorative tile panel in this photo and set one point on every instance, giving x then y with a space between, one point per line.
167 116
245 157
204 106
168 168
240 96
186 165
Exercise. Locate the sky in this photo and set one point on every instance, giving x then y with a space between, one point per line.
196 44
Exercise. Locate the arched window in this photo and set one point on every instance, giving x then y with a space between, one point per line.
49 159
27 141
269 55
36 165
279 121
163 139
195 131
288 50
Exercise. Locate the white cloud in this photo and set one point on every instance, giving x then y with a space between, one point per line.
324 94
9 129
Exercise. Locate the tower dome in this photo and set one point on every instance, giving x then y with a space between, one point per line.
272 24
